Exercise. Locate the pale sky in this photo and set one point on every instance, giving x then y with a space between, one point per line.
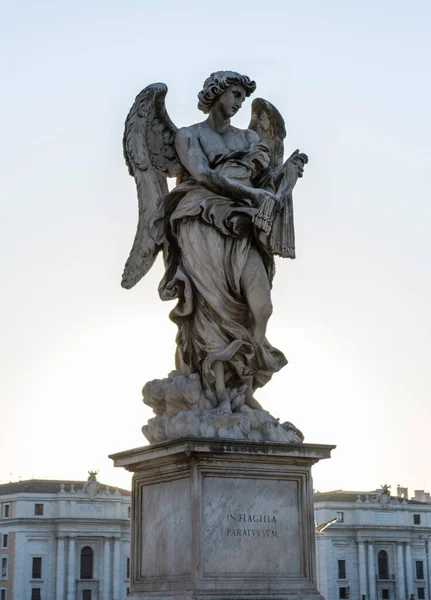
351 313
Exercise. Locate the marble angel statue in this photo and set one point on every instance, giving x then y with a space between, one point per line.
219 230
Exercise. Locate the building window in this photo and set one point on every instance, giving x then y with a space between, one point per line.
340 517
128 568
3 570
35 594
129 510
342 593
416 519
86 594
3 594
38 510
382 563
419 569
127 591
6 511
5 540
86 563
385 594
341 569
421 593
36 568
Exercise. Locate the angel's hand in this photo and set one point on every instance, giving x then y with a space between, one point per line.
299 159
260 195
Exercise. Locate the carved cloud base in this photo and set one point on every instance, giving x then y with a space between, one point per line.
247 424
222 520
184 410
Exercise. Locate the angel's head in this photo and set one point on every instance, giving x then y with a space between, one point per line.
227 88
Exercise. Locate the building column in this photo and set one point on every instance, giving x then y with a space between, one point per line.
371 572
59 587
20 575
106 569
362 570
117 569
409 570
71 570
401 581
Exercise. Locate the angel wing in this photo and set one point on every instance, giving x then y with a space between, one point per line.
276 226
149 151
269 125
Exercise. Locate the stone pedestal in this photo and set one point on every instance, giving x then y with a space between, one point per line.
222 520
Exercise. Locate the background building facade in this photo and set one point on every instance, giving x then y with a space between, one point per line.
64 540
378 549
71 541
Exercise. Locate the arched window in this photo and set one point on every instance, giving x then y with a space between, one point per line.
382 562
86 563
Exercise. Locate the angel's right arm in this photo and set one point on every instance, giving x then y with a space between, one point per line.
195 161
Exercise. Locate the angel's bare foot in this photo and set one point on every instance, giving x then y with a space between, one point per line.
223 407
253 403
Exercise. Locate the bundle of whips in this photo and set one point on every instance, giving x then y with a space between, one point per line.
275 217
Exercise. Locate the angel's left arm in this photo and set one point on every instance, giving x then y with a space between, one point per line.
265 177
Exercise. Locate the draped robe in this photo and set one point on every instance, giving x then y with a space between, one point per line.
209 238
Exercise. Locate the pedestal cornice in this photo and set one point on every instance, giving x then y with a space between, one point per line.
134 458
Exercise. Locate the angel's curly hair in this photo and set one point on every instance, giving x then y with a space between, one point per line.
217 83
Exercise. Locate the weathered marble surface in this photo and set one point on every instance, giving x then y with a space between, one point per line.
184 409
223 520
165 530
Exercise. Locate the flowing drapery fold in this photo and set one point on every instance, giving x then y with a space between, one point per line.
209 241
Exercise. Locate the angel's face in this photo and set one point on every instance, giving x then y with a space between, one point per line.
231 100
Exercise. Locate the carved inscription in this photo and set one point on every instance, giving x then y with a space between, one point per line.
250 525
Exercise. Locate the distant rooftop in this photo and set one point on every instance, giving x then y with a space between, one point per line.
420 496
54 486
